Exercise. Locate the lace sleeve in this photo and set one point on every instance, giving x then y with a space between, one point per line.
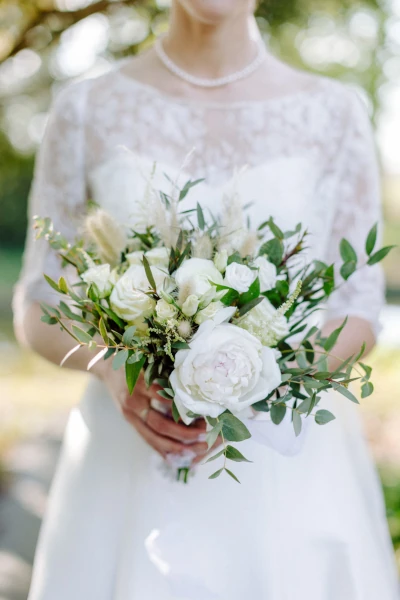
58 191
358 208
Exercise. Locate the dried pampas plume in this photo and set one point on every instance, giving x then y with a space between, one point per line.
232 217
108 235
249 244
202 246
186 289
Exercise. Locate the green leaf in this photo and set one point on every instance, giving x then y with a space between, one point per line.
216 474
367 369
233 429
164 394
132 372
371 239
82 336
274 251
52 283
232 475
149 274
233 454
235 258
333 338
323 417
329 280
278 412
367 389
129 333
345 392
213 434
175 413
347 269
380 255
200 217
112 315
297 423
230 297
310 354
347 252
48 319
250 305
181 346
275 229
103 330
216 456
134 358
261 406
188 185
252 293
304 407
120 359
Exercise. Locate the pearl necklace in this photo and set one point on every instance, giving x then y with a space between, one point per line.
210 83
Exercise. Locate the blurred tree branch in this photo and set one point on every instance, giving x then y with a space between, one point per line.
66 18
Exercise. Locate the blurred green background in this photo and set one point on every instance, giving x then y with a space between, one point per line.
45 44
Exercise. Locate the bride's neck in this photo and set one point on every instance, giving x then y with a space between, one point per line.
211 50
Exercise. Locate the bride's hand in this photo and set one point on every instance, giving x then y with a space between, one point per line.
158 430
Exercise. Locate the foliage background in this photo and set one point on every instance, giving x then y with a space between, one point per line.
45 44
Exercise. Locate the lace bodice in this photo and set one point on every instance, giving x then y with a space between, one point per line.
309 157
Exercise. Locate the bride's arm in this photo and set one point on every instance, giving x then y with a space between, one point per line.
59 192
358 208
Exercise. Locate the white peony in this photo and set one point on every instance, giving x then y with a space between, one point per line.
158 257
266 273
100 275
131 304
239 277
262 322
165 310
137 275
208 313
196 274
225 368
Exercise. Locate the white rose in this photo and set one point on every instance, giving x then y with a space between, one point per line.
135 258
225 368
159 257
131 304
208 313
239 277
266 273
221 260
190 306
138 276
99 275
165 310
262 322
197 274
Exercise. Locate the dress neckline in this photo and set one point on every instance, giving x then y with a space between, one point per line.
305 93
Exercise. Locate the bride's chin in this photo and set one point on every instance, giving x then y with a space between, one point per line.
213 12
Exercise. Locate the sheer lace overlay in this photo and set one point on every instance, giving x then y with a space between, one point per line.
309 157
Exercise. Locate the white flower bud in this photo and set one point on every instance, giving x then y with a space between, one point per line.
221 260
190 306
165 311
207 297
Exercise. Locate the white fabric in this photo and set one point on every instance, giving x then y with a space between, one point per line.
310 526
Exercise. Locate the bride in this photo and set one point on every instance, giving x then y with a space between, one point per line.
308 521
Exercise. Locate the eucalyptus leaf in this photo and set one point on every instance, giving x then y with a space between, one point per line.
200 217
380 255
333 338
233 429
132 372
232 453
367 389
345 392
232 475
120 359
371 239
212 458
297 423
216 474
323 417
278 412
82 335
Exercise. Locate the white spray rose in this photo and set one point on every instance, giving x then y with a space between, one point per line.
100 275
190 306
196 274
131 304
135 258
165 310
138 276
266 273
225 368
158 257
221 260
208 313
239 277
262 322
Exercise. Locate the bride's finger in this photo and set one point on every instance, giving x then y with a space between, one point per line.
167 427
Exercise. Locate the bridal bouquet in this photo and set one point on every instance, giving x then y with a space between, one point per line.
215 312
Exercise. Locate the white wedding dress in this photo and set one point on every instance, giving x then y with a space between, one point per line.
308 520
